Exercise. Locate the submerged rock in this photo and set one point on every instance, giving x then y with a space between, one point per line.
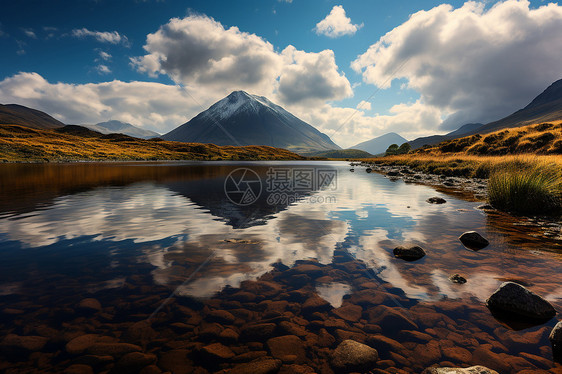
24 343
412 253
287 346
260 366
352 356
218 351
470 370
515 299
89 305
457 278
473 240
436 200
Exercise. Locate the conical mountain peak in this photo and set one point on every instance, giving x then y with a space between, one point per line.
245 119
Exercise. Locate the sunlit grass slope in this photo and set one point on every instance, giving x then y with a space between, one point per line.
74 143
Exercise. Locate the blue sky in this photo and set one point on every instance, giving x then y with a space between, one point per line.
85 45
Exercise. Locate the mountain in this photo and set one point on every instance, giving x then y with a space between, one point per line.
469 128
245 119
465 129
545 107
119 127
380 144
13 114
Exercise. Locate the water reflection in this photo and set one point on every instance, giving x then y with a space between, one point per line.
333 292
165 220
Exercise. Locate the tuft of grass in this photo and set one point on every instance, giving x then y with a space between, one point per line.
528 189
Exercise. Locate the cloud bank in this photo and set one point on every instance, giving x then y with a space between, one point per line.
198 51
153 106
476 64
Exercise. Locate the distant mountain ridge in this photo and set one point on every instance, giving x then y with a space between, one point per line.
245 119
547 106
379 144
14 114
119 127
469 128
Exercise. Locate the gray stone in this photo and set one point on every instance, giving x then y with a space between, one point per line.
412 253
473 240
351 356
513 298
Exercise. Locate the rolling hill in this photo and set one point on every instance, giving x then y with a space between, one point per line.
245 119
544 108
119 127
379 144
544 138
20 115
76 143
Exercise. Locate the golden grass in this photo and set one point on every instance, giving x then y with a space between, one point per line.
466 165
19 143
529 189
543 138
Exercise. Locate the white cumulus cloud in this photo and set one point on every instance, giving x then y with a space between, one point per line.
149 105
103 69
475 63
336 24
112 37
364 105
201 53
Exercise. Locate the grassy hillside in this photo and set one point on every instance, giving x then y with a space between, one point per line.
74 143
544 138
14 114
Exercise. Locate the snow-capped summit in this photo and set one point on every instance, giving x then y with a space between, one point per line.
245 119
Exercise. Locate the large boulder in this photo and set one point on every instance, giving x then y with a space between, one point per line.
470 370
473 240
351 356
412 253
515 299
284 347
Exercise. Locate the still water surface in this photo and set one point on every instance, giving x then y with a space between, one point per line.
72 231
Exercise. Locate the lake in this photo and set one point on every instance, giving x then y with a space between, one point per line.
196 253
